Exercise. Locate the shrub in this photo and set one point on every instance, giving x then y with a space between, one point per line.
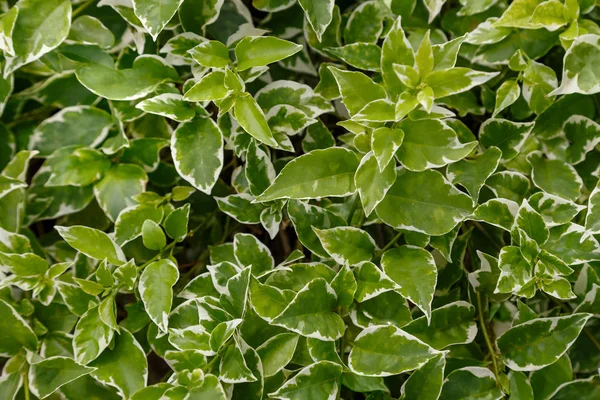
305 200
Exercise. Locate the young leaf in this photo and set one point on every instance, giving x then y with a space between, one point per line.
256 51
156 290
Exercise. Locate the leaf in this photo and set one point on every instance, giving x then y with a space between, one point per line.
155 14
116 190
555 177
90 30
251 118
249 251
91 337
168 105
153 236
473 173
40 27
83 167
545 381
363 56
297 95
396 49
577 75
370 281
426 382
386 351
241 208
471 382
259 170
448 325
320 173
347 245
434 212
124 367
430 143
385 142
319 14
256 51
128 225
316 381
446 82
357 89
372 182
49 375
310 312
506 95
535 344
146 73
72 126
305 216
506 135
277 352
156 291
16 333
92 242
197 151
414 271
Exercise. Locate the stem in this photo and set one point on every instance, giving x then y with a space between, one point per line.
390 244
341 354
26 386
486 336
82 7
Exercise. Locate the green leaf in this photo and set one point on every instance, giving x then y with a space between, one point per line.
506 135
414 271
123 367
146 73
116 190
156 291
249 251
578 74
583 135
318 13
197 151
357 89
15 333
578 389
538 343
446 82
305 216
90 30
129 223
471 383
311 314
370 281
555 176
81 168
252 119
92 242
396 49
448 325
545 381
241 208
385 142
176 223
430 143
520 388
49 375
210 88
155 14
168 105
506 95
297 95
426 382
153 236
372 183
386 351
91 337
39 27
434 212
347 245
472 174
320 173
256 51
82 126
365 56
277 352
316 381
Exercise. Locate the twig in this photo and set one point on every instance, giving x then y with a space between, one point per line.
81 8
490 346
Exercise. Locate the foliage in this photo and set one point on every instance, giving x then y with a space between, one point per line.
304 200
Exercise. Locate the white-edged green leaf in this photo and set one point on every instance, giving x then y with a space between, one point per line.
91 337
47 376
540 342
257 51
506 95
249 251
156 290
320 173
386 351
120 184
579 75
555 176
446 82
372 182
357 89
414 271
15 333
347 245
253 120
311 314
319 14
471 383
430 143
277 352
426 382
434 212
155 14
448 325
123 367
90 30
168 105
197 151
506 135
316 381
92 242
384 142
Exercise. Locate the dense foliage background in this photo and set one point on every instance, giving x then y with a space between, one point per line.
300 199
